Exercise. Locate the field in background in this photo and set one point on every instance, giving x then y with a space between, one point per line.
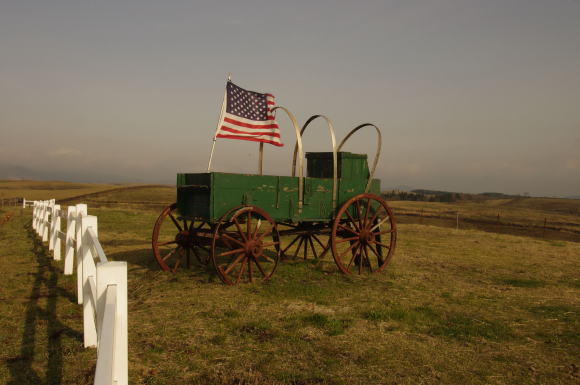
549 218
454 307
49 190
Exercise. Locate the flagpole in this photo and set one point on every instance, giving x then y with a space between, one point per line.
260 161
218 125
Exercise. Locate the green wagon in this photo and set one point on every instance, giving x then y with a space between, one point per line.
245 223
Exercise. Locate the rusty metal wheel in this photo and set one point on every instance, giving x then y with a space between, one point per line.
245 246
174 241
364 235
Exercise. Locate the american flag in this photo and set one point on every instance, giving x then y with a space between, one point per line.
248 116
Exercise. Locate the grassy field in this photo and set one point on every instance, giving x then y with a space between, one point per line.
454 307
32 190
520 216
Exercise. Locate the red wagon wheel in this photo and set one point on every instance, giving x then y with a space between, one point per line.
245 246
173 241
364 235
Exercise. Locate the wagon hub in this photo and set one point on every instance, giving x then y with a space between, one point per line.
254 248
183 238
366 236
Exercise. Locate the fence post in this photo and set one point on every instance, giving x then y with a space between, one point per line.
81 210
23 203
39 218
56 243
109 274
70 238
47 214
89 275
34 216
51 233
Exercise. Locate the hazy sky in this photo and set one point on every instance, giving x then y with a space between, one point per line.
471 95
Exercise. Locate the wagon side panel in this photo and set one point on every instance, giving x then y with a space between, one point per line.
194 195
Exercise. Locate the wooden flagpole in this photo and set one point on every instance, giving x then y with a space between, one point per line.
260 161
218 125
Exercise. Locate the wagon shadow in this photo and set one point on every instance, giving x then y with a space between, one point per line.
144 258
45 285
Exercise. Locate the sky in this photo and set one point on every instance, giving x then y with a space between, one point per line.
470 95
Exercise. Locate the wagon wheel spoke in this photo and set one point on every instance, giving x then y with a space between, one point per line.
248 226
367 209
351 220
167 243
230 252
349 249
386 218
234 263
347 239
170 254
258 225
298 247
305 246
318 240
358 213
264 234
312 247
176 265
376 214
381 244
240 231
241 272
203 247
175 222
290 245
367 258
259 267
379 258
227 236
354 254
348 229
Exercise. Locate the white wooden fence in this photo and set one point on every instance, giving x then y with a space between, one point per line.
101 284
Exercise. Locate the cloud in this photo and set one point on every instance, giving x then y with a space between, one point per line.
64 152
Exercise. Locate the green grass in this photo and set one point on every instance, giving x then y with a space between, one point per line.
454 307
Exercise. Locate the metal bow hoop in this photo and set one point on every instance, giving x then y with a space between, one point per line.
377 155
334 156
298 148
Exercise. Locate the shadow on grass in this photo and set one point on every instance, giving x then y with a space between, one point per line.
45 285
145 259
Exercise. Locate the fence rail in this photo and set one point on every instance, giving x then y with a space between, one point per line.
101 284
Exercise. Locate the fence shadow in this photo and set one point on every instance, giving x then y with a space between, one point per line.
45 285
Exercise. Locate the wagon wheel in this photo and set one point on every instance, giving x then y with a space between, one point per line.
245 246
310 243
173 241
364 235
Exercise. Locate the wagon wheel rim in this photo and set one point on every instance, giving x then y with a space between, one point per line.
245 246
173 241
364 235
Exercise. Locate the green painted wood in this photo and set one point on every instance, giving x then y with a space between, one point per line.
208 196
